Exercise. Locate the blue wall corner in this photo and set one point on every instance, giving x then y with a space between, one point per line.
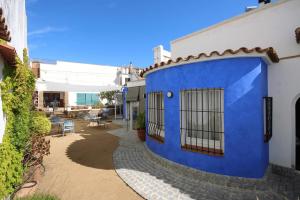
245 84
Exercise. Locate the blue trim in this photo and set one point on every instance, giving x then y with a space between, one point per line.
245 84
87 99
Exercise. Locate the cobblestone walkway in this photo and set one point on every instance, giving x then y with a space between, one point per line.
153 178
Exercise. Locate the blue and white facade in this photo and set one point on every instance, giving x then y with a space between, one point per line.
273 24
244 82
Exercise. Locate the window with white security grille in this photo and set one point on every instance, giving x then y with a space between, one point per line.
202 120
155 118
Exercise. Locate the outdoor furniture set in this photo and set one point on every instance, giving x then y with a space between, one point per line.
63 125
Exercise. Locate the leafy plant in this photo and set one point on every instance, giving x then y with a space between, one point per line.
109 96
141 124
2 41
10 167
39 124
17 88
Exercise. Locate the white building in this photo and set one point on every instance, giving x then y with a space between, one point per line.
271 25
160 54
71 84
13 30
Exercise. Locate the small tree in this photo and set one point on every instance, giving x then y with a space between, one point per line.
108 95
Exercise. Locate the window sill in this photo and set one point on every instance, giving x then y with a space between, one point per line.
203 150
157 138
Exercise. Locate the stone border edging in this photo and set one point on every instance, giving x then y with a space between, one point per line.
123 180
222 180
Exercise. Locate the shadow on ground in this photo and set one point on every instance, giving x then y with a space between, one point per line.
96 148
141 172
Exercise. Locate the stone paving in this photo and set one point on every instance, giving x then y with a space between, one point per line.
155 178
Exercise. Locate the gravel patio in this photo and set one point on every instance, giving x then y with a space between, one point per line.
111 163
80 166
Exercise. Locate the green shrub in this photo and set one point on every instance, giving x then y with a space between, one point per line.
141 121
17 88
38 113
40 124
10 168
40 197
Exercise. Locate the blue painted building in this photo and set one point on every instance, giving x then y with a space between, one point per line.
208 112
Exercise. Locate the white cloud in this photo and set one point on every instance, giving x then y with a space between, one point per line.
36 45
46 30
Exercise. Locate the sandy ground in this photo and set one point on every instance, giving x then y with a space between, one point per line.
80 166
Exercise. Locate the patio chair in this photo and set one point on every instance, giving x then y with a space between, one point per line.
93 118
68 126
55 119
56 124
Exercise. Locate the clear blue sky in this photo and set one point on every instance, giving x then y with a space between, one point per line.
115 32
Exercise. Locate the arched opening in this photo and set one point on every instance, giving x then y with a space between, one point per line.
297 111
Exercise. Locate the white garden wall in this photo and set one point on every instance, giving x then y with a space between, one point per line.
77 77
272 25
284 87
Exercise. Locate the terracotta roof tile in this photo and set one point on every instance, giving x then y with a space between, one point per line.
270 52
297 32
4 32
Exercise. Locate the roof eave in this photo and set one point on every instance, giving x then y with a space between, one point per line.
269 55
8 53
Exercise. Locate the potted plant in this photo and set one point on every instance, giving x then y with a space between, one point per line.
141 126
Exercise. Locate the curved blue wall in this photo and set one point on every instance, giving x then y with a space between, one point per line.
245 84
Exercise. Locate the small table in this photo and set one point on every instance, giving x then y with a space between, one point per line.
96 119
59 124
